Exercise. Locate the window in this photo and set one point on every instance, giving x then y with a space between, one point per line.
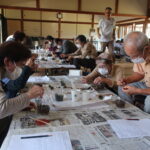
129 29
122 31
139 27
148 30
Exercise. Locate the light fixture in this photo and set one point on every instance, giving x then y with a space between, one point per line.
59 15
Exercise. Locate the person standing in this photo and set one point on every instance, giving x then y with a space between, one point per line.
106 31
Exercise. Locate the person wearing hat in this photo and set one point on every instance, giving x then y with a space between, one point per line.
106 72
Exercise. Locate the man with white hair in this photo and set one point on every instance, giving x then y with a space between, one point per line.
136 46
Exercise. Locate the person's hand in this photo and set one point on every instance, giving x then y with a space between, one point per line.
32 105
63 55
130 90
30 63
99 80
84 80
122 82
34 56
70 58
35 91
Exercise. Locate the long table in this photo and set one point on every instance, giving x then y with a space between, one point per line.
86 121
51 64
51 67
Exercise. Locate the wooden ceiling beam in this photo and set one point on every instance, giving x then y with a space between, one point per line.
70 11
52 21
132 19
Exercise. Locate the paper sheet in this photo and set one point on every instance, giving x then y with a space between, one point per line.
74 72
58 141
40 79
67 66
107 97
131 128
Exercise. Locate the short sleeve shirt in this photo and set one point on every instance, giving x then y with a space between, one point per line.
143 69
106 29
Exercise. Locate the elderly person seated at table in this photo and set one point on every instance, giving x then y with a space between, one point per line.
85 55
58 47
106 72
49 43
136 46
68 47
13 54
63 48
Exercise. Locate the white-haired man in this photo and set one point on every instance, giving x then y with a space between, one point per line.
137 47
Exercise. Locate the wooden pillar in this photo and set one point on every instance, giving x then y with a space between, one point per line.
41 23
37 3
92 21
148 15
148 8
125 30
22 26
132 27
118 31
145 25
2 12
59 27
79 5
92 26
116 6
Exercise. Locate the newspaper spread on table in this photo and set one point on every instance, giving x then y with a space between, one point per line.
50 64
86 121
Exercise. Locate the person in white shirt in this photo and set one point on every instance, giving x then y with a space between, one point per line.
106 31
18 36
10 38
